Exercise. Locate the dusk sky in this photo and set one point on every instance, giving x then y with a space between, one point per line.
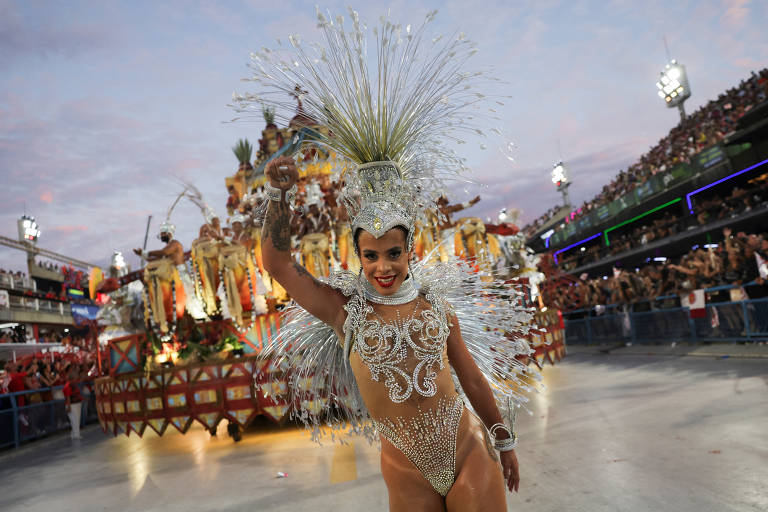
103 103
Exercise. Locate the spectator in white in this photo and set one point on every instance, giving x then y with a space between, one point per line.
73 399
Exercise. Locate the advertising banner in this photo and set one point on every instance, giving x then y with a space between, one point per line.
671 178
711 156
81 313
603 212
645 190
625 201
584 223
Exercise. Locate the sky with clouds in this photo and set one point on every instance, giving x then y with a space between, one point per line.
102 104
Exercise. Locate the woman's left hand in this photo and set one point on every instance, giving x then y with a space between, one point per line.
511 470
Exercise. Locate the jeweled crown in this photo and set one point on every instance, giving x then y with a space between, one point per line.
384 201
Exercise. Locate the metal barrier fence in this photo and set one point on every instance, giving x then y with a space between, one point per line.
37 417
745 320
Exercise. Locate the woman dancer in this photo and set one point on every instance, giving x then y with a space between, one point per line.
435 453
375 350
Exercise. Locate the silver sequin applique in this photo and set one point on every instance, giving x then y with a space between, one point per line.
385 346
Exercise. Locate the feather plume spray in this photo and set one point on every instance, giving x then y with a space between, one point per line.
174 204
408 101
323 388
194 195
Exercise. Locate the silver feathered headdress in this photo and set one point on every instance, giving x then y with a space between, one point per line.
167 226
196 197
391 122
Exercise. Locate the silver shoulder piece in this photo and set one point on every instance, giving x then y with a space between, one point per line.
321 385
493 324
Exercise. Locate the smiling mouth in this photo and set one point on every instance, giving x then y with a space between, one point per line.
385 281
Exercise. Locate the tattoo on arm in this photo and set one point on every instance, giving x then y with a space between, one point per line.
304 272
277 225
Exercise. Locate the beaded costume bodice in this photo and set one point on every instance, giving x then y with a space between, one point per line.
416 407
385 348
402 346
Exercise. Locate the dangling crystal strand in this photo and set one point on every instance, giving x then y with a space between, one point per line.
428 440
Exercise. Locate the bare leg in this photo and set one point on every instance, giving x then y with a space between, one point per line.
479 484
408 490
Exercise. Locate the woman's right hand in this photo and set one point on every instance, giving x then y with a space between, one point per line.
282 173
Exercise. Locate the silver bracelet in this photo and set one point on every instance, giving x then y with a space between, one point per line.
276 194
503 445
498 426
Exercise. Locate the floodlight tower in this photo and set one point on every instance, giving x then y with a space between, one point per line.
673 86
29 231
560 179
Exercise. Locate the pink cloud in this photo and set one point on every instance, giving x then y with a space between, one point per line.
69 228
736 12
46 197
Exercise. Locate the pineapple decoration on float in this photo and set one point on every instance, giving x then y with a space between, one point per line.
243 150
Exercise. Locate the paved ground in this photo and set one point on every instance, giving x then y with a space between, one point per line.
610 433
748 350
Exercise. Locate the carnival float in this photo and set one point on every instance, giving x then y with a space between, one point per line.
185 334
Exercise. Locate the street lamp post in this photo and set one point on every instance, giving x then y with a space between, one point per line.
673 86
560 179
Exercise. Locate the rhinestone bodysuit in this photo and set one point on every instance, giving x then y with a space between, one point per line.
406 358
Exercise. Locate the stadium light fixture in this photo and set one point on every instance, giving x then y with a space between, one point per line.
673 86
575 245
633 219
560 179
29 231
705 187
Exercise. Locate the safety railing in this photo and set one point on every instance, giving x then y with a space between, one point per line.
31 414
21 303
745 320
663 319
12 282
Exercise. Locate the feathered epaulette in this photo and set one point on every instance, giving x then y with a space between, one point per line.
322 387
493 321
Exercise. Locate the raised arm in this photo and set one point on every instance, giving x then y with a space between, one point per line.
317 298
462 206
479 393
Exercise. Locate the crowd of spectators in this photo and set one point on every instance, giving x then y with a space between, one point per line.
67 339
705 127
18 284
736 260
534 226
52 267
741 200
61 382
11 279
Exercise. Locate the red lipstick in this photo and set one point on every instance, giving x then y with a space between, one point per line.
385 281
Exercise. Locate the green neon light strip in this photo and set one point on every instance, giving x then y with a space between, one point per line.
633 219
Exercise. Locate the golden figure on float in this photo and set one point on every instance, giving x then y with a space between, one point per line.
163 281
205 259
242 287
344 242
314 233
473 243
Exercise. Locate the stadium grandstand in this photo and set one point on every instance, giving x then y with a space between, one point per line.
675 247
